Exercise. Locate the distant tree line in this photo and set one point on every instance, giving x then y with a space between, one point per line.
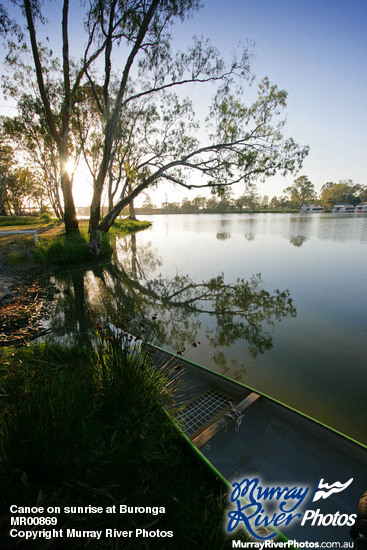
34 188
301 192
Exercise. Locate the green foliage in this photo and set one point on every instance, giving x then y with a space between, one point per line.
74 248
22 188
60 400
18 220
302 191
124 227
343 192
14 258
48 394
28 132
45 217
88 428
67 249
249 202
148 132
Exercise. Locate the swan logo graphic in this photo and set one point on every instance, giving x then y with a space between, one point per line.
337 519
324 490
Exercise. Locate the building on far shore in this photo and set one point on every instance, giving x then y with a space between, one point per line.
311 208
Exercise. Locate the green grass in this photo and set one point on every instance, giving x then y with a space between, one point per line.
127 226
85 427
14 258
64 249
45 217
18 220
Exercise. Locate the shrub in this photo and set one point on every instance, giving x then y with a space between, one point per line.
14 258
126 226
62 402
69 249
45 217
88 427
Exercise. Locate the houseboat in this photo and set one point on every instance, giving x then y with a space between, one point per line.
344 208
361 208
311 209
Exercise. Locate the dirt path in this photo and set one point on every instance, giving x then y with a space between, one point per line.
25 292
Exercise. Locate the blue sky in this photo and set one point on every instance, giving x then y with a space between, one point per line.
317 51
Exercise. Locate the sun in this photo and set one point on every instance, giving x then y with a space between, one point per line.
70 166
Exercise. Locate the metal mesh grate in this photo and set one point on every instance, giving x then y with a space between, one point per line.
198 413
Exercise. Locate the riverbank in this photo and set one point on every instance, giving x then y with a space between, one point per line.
84 428
86 431
26 294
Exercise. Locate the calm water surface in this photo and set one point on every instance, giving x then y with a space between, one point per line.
277 301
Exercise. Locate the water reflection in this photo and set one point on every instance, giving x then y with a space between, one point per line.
298 240
178 308
314 357
296 228
224 365
223 236
249 236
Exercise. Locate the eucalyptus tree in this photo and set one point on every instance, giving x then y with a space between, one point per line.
23 191
128 147
343 192
140 73
57 97
29 134
244 144
143 27
6 162
301 191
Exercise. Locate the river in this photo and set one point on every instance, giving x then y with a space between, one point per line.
277 301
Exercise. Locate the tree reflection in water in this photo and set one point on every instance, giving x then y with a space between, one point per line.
125 288
298 240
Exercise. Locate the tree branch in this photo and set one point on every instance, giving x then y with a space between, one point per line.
39 73
66 108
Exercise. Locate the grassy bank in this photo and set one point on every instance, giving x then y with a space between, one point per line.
83 427
64 249
86 427
53 246
124 227
18 220
24 221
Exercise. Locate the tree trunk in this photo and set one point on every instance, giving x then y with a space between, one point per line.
95 216
120 205
54 198
110 200
112 215
2 197
95 207
95 211
111 191
132 210
70 219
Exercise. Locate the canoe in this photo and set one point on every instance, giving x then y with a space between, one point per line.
298 478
